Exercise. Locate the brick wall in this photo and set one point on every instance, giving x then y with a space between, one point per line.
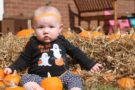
25 8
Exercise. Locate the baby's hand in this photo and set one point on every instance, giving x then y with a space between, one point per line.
7 70
96 68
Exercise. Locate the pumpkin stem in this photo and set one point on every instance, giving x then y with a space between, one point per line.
14 73
29 24
48 74
12 84
82 29
98 28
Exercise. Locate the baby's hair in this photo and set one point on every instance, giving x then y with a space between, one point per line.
46 11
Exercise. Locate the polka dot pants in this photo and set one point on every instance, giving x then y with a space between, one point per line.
69 80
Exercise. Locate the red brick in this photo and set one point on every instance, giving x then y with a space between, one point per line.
16 7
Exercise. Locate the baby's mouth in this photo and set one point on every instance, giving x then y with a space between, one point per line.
46 38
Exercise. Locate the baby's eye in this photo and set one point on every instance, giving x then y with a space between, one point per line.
40 27
51 26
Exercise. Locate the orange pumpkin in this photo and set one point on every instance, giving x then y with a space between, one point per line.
25 33
126 83
85 34
132 34
1 74
96 34
14 88
2 85
51 83
15 78
114 36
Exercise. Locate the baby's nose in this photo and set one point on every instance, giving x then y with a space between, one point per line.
46 30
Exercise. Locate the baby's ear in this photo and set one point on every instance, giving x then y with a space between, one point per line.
61 27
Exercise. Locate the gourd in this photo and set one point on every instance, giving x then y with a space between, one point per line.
90 34
114 36
132 34
2 85
15 78
85 34
126 83
51 83
25 33
14 87
96 34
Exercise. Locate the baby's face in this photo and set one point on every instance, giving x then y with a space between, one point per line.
47 28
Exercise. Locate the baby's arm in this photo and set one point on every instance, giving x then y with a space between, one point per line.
78 55
22 61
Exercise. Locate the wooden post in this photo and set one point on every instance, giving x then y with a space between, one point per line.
115 17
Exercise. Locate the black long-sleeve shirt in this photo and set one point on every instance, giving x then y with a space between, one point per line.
42 58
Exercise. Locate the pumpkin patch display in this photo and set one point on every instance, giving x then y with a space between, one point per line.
25 33
51 83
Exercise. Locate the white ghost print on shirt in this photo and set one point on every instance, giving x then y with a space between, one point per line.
44 60
56 51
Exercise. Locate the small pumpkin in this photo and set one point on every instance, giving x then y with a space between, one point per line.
15 78
1 74
51 83
84 33
96 34
114 36
14 87
25 33
126 83
132 34
2 85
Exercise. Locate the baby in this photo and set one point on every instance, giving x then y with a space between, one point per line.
46 52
